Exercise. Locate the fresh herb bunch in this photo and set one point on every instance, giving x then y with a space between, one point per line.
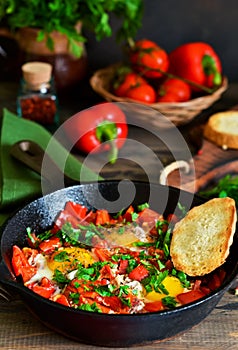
63 16
226 187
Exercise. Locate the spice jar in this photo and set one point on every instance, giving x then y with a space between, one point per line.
37 99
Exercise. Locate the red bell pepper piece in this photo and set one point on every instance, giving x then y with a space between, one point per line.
154 306
189 297
101 254
76 209
49 245
197 62
123 265
21 265
61 299
45 288
102 217
138 273
128 214
101 128
150 217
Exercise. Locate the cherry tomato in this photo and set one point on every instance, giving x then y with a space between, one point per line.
174 90
126 82
149 58
144 93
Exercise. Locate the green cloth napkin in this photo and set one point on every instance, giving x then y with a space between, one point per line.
19 184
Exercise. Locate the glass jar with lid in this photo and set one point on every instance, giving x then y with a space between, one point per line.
37 99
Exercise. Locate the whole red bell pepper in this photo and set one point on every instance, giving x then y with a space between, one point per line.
100 128
198 63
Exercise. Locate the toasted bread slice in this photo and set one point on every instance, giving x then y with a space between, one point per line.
201 240
222 129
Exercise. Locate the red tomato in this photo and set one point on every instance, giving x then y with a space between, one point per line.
21 265
144 93
76 209
174 90
149 58
49 245
197 62
61 299
138 273
154 306
189 297
102 217
127 82
44 288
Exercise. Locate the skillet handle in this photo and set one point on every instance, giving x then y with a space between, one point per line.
32 155
6 291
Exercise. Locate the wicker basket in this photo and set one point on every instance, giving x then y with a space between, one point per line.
179 113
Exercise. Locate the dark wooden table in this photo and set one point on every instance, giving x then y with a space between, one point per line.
219 331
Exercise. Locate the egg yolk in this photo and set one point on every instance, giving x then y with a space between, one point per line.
172 285
67 259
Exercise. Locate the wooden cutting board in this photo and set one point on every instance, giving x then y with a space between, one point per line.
211 163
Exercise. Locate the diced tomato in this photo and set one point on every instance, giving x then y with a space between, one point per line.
49 245
106 272
102 217
90 217
188 297
149 216
197 284
45 288
76 209
214 282
64 217
113 302
172 218
128 214
89 301
138 273
154 306
101 254
61 299
123 264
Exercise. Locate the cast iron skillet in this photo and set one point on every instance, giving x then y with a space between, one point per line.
103 329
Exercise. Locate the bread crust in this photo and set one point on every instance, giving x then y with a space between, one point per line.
222 129
201 240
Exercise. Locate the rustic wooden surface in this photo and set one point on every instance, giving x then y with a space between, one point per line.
219 331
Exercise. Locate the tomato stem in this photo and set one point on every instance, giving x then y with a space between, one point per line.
170 75
106 131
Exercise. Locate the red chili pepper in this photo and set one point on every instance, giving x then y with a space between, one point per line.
101 128
197 62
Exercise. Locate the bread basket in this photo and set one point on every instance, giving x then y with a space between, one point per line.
179 113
